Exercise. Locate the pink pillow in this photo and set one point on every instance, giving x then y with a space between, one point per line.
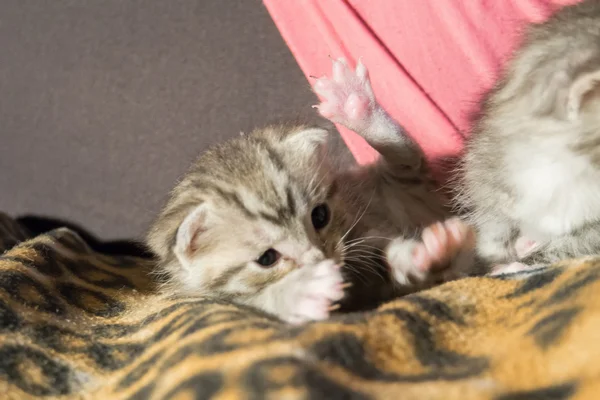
429 61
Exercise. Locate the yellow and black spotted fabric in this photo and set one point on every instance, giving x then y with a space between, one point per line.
78 324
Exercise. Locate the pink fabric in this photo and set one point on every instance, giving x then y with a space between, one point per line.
429 60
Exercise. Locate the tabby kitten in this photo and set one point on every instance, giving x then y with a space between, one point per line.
265 220
532 166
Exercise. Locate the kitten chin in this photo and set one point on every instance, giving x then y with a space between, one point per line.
531 171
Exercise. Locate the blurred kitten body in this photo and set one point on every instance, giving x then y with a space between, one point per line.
531 172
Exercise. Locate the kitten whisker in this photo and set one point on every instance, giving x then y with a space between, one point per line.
373 267
365 246
370 237
356 272
359 246
363 252
359 218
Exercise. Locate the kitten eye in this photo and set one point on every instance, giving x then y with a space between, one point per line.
320 216
268 258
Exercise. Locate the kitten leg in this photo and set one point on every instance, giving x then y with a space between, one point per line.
445 248
523 247
495 240
348 100
535 256
305 294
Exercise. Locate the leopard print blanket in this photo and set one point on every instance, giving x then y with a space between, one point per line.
78 324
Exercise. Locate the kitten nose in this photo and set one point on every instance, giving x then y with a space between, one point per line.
312 256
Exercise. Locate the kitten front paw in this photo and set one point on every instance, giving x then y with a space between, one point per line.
446 249
347 97
318 287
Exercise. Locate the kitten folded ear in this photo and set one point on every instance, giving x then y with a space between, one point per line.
307 141
186 241
584 95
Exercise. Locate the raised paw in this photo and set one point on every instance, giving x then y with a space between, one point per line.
446 248
347 97
441 242
318 287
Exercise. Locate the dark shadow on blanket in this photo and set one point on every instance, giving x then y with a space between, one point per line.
38 225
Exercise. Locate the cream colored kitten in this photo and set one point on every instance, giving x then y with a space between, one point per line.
531 174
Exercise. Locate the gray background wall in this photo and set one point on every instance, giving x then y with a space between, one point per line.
103 104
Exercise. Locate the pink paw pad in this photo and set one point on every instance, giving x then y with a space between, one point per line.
441 242
524 246
347 97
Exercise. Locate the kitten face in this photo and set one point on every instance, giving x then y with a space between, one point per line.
250 212
240 255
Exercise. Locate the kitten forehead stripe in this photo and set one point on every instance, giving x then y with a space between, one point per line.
332 189
273 156
271 218
283 214
234 199
291 203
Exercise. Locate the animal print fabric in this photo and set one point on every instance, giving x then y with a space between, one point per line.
78 324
